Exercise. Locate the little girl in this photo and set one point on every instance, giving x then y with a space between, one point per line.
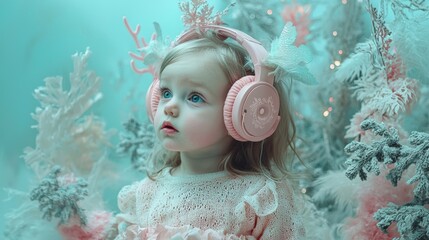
222 176
210 184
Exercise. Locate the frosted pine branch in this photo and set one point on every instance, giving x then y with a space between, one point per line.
60 201
366 158
138 141
412 221
388 150
417 154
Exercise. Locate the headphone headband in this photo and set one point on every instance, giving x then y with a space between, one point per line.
255 49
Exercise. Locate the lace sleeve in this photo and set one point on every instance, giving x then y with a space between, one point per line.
127 206
276 213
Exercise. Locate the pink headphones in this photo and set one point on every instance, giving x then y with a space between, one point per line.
251 109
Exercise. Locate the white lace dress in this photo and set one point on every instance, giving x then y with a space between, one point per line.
208 206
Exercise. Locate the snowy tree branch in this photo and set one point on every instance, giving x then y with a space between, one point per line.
60 201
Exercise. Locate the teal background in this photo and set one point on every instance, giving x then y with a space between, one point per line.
37 39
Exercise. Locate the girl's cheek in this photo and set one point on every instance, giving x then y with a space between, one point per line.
206 130
191 129
157 118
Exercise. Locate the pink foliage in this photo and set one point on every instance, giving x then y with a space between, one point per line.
299 15
375 194
385 90
405 90
354 129
99 223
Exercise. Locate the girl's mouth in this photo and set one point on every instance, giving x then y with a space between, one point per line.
168 128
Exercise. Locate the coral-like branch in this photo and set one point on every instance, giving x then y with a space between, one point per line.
412 221
199 13
138 141
60 201
61 123
150 53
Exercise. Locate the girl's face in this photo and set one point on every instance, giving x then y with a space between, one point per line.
189 117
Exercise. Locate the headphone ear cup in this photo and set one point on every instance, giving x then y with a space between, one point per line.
152 99
254 112
229 104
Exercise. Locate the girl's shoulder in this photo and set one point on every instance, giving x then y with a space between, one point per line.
128 195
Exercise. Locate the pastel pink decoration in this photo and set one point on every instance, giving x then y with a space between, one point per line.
375 194
198 13
99 223
140 44
299 15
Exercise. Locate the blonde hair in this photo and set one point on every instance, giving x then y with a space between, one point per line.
271 156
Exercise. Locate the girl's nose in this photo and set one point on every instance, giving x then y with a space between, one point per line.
171 109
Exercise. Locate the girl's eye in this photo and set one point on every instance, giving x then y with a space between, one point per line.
195 98
165 93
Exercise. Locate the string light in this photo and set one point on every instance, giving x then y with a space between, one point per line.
326 113
344 1
330 109
331 99
269 11
332 66
340 52
334 33
337 63
304 190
